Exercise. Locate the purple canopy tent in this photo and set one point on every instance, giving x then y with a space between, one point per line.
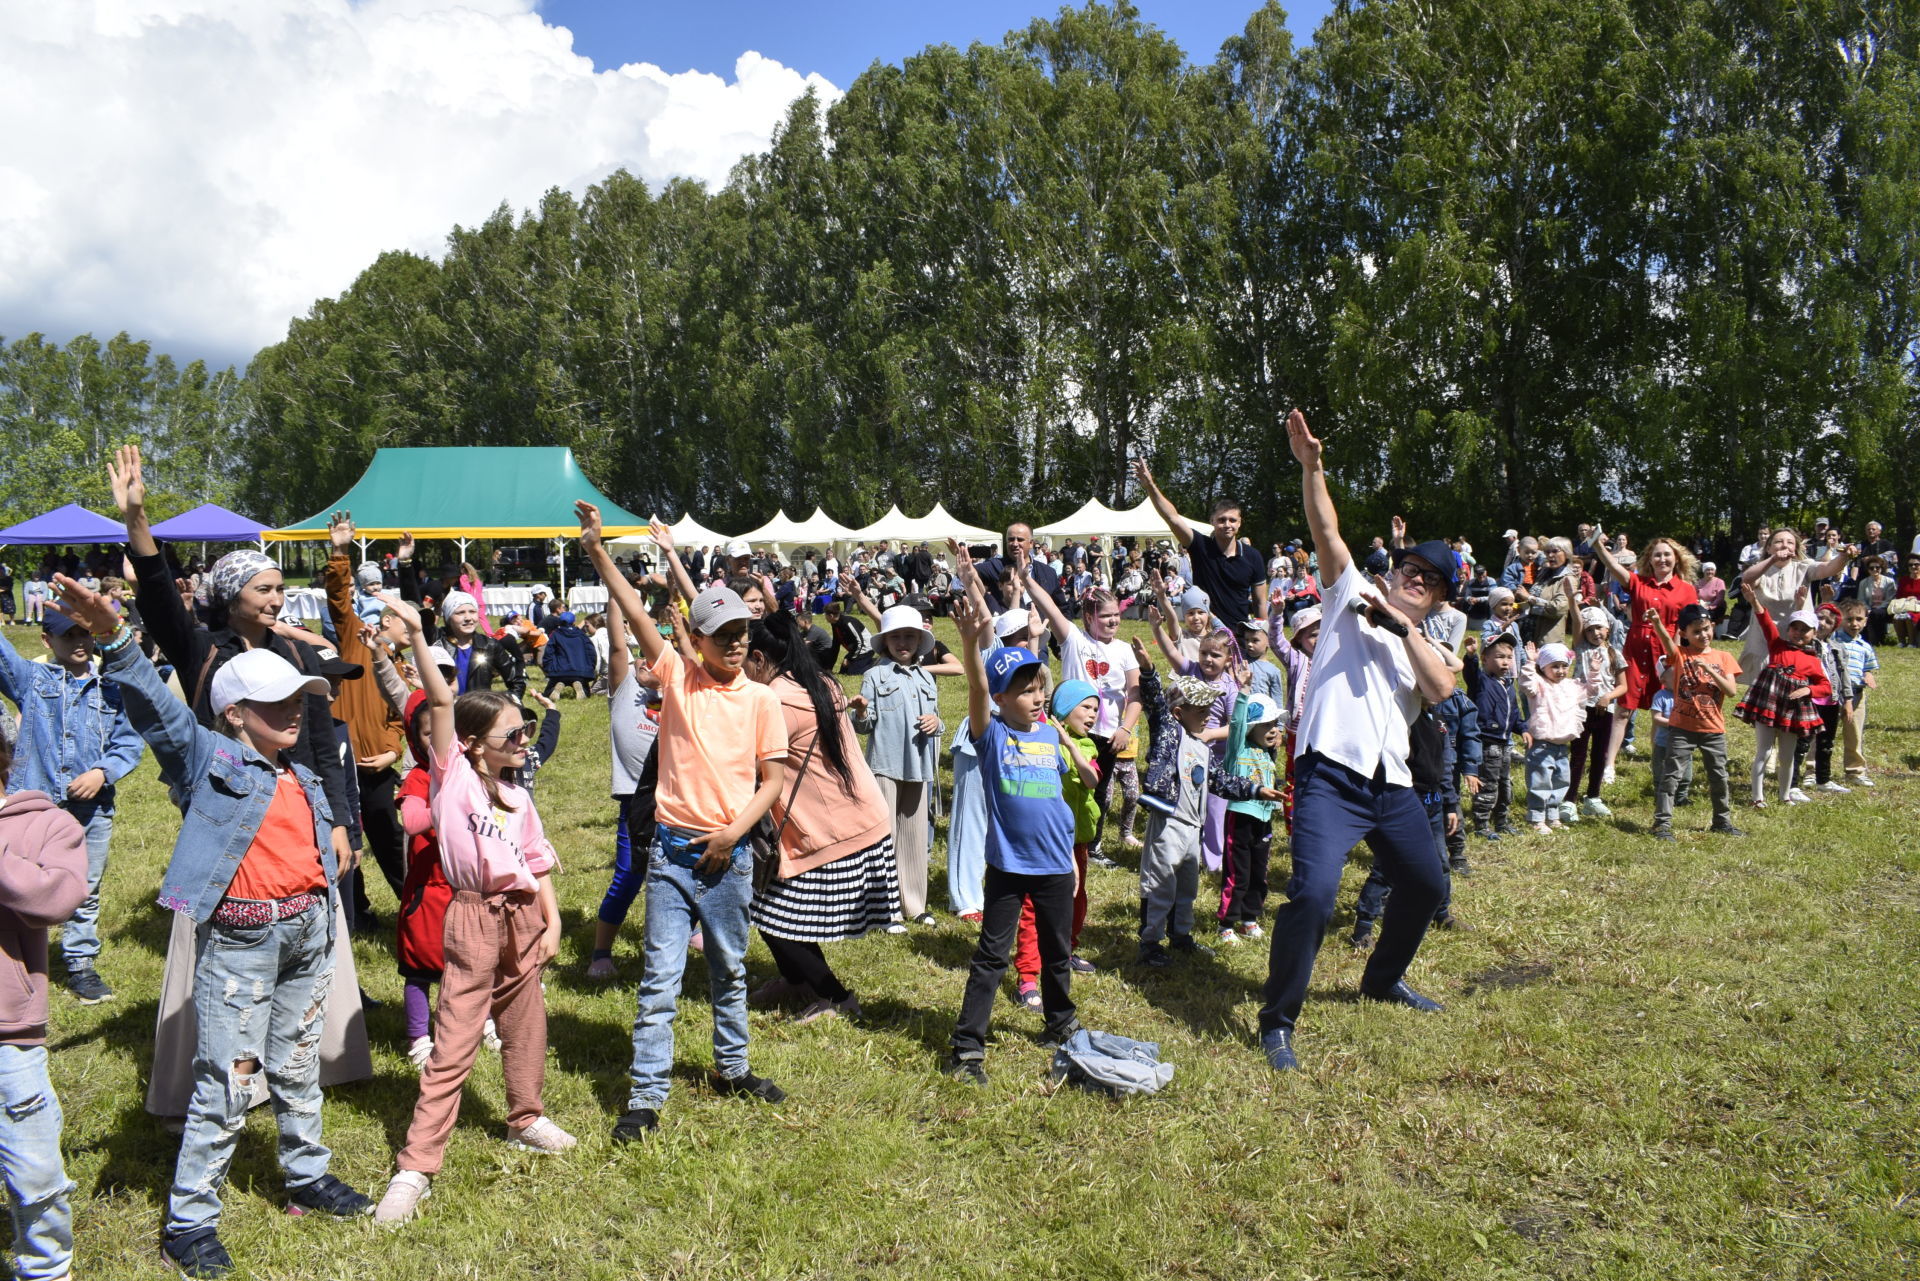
209 523
63 526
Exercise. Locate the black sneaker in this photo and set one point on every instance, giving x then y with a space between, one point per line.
1507 829
635 1124
1188 944
748 1084
87 986
1663 834
1081 965
1054 1040
1726 829
1153 956
925 918
1485 832
966 1071
1459 867
1362 939
328 1195
197 1254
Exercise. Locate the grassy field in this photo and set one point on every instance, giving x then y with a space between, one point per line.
1657 1061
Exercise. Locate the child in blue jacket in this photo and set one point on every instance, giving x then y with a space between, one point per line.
1443 748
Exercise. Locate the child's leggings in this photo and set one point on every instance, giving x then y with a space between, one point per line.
1126 779
419 1009
491 943
1764 738
1026 947
1821 743
1243 892
628 875
1589 751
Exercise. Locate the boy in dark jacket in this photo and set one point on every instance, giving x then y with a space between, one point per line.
1490 682
43 877
1444 747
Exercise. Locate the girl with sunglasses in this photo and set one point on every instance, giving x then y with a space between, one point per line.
502 926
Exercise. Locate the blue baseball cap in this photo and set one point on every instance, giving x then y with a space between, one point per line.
1070 694
1004 663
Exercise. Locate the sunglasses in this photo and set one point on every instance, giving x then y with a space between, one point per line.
730 636
514 736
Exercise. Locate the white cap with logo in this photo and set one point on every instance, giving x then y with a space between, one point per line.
261 676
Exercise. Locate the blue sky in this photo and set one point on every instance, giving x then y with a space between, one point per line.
840 38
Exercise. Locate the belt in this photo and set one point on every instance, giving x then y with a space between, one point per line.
241 913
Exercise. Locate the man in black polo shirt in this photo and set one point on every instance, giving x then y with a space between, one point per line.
1225 566
1019 544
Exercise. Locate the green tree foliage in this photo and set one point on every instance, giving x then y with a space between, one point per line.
1523 261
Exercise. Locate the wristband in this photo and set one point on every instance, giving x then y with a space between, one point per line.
121 638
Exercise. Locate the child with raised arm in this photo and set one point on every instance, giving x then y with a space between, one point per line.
1699 677
265 928
1029 829
502 927
1779 702
722 747
633 704
1556 711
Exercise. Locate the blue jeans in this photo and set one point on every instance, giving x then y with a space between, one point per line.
677 897
625 885
1549 773
80 938
37 1183
259 993
1335 809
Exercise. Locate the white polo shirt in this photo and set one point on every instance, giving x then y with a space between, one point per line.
1360 695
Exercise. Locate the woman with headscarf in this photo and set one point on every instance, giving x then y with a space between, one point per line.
473 659
245 592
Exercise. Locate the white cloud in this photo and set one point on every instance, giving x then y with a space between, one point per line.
197 172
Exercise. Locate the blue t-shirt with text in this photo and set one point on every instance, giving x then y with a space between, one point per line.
1029 823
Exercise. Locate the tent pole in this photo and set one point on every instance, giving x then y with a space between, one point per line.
364 544
561 543
463 550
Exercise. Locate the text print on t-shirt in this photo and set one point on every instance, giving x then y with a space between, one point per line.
494 827
1030 769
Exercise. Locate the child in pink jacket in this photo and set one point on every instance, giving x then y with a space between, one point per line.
43 877
1556 712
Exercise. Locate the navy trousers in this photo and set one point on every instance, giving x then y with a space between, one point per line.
1334 809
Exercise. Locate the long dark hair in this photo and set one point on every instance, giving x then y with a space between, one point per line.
779 640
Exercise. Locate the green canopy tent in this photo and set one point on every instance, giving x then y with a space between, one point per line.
466 493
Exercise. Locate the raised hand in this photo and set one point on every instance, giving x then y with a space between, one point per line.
970 621
129 482
1143 473
1399 527
340 530
662 536
1140 655
589 517
1651 618
92 610
1306 446
541 699
406 545
403 609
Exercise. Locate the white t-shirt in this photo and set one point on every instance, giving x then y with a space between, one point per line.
1360 695
1105 667
633 728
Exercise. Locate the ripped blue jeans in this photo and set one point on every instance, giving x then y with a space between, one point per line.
260 994
37 1183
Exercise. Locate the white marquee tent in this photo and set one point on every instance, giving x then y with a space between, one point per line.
816 530
1140 521
936 526
687 532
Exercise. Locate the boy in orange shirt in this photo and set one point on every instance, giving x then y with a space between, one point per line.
1699 676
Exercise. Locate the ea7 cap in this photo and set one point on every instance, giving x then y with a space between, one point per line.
331 664
905 618
1551 654
739 547
714 609
261 676
1070 694
1004 663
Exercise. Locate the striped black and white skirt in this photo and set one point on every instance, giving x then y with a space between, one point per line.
839 900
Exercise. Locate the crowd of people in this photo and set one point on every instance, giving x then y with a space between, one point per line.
1408 697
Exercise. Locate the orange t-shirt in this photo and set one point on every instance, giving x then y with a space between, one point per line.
1696 699
283 859
713 738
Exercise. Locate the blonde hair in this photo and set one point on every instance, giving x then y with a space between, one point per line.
1799 543
1686 566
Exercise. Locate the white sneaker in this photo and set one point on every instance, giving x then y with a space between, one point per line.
490 1037
1229 938
1831 786
420 1051
1594 807
897 927
1860 780
1797 797
1606 777
542 1136
408 1189
1569 812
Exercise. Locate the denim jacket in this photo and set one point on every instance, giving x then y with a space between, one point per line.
1457 713
1160 781
897 697
67 727
222 786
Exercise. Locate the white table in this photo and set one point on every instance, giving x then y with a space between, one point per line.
591 597
501 599
304 605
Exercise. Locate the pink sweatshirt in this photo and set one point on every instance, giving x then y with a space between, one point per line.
1557 711
484 849
43 877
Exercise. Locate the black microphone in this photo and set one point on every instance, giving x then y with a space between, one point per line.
1378 618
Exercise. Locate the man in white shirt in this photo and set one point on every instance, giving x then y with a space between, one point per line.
1371 671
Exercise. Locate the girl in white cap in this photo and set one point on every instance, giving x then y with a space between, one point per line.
899 710
1780 703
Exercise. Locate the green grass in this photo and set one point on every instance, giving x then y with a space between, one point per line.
1660 1061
